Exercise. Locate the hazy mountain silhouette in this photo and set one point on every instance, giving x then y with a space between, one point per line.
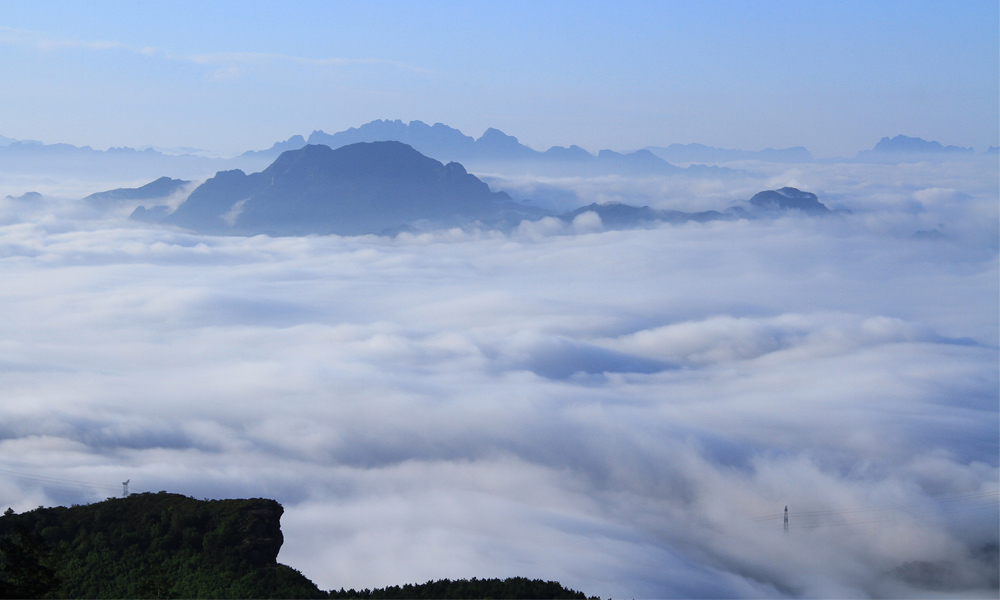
86 164
293 143
356 189
161 188
438 141
388 187
615 215
700 153
902 143
911 149
789 198
446 143
25 197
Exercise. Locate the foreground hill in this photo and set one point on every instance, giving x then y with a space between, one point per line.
149 545
171 546
353 190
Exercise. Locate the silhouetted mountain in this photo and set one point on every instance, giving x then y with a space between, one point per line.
26 197
494 147
789 198
909 149
161 188
438 141
699 153
353 190
640 161
615 215
573 153
904 144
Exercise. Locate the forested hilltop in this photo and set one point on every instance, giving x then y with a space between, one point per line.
149 545
171 546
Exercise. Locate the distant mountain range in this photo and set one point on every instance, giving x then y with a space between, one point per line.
902 143
911 149
691 153
383 188
85 163
494 146
494 151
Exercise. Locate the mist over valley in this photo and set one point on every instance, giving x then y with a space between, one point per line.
621 397
652 300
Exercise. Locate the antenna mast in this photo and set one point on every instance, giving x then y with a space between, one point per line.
786 518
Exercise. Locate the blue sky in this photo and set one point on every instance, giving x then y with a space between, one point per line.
832 76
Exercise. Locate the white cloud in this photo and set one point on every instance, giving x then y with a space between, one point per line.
626 412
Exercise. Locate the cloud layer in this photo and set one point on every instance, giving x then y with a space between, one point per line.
627 412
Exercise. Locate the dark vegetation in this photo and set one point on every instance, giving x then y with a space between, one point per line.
519 588
171 546
149 546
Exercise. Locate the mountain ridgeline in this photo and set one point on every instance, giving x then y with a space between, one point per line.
494 146
493 151
171 546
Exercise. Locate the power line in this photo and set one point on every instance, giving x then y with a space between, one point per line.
60 481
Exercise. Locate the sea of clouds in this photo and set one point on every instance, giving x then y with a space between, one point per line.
626 412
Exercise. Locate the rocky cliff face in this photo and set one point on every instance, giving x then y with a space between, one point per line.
261 529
